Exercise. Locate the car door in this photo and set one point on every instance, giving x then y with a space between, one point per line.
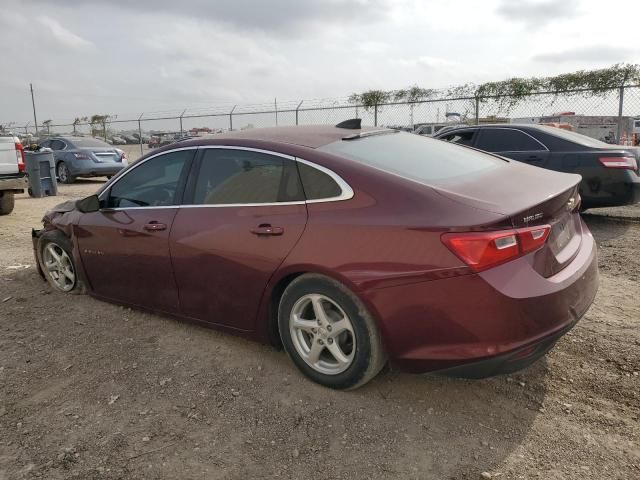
513 143
124 246
246 213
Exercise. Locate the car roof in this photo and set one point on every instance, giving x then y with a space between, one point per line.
312 136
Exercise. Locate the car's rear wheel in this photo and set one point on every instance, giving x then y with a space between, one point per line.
55 255
328 333
63 174
7 202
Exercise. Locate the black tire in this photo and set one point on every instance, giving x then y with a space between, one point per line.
60 240
63 174
7 202
368 357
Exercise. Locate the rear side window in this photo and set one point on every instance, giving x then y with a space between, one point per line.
230 176
317 185
463 137
57 145
418 158
506 140
152 184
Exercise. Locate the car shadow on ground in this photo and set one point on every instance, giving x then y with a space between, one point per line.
605 228
208 396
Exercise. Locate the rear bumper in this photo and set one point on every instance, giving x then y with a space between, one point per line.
14 183
620 188
508 362
88 168
500 318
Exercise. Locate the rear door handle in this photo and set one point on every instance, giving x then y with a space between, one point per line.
266 229
154 227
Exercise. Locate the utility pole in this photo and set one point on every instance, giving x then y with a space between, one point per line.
33 103
275 103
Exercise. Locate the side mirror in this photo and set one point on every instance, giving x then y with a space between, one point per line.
88 204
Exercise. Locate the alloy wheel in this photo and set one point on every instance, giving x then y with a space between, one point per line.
59 267
322 334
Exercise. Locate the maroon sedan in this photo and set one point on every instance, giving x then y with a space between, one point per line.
349 246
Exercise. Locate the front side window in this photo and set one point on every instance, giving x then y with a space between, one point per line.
506 140
152 184
233 176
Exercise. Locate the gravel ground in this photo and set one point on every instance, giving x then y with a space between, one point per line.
92 390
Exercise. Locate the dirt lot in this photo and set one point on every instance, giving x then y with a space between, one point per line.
92 390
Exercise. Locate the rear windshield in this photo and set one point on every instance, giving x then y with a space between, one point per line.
83 142
575 137
418 158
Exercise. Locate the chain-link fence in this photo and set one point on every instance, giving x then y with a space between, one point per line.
611 115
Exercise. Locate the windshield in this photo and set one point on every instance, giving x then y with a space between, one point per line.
418 158
575 137
84 142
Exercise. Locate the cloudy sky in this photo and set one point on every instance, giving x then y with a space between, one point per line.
129 56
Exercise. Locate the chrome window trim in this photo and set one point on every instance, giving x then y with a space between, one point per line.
347 191
517 130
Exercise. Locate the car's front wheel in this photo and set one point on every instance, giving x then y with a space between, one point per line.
55 255
328 333
63 174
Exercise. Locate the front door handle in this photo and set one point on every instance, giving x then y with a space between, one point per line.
154 227
266 229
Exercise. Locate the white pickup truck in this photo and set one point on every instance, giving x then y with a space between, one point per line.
12 176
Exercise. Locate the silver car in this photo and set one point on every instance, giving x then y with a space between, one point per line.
84 157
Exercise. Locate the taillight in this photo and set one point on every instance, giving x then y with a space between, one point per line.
483 250
20 156
81 156
619 162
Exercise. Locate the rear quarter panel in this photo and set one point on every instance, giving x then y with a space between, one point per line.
388 234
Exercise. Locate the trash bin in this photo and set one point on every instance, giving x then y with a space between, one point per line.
41 169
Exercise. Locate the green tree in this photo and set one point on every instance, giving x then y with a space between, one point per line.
98 125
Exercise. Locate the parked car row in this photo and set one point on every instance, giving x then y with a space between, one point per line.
132 139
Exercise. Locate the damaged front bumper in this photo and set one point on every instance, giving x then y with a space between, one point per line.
35 240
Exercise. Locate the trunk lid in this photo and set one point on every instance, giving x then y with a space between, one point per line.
102 155
529 196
